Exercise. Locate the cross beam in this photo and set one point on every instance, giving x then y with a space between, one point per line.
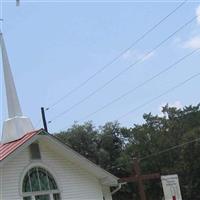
139 178
135 178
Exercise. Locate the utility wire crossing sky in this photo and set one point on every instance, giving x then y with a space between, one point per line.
138 61
70 56
118 56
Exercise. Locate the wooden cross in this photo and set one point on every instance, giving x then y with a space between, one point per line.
139 178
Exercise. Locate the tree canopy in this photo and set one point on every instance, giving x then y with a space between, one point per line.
113 147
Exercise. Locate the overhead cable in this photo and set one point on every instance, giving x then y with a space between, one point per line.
169 149
140 85
156 97
140 60
159 96
117 57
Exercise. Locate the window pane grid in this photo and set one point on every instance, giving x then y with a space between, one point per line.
29 179
26 194
26 184
38 179
39 184
34 180
48 179
43 179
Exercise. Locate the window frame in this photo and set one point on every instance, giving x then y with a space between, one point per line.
33 194
50 193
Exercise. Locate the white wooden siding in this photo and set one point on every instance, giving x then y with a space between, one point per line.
73 182
106 192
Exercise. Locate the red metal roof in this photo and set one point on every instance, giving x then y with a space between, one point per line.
8 148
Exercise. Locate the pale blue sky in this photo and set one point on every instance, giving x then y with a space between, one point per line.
54 46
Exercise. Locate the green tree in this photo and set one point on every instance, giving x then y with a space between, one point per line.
83 139
113 148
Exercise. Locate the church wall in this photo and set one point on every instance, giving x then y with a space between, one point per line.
1 181
106 192
73 182
11 174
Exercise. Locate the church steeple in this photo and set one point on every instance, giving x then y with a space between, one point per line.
17 125
14 108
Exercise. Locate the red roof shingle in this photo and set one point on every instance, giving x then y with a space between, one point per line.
8 148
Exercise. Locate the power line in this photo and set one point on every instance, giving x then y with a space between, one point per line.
170 149
117 57
161 95
124 70
140 85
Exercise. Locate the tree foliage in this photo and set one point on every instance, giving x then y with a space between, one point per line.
112 147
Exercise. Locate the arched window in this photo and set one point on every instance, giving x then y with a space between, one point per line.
39 184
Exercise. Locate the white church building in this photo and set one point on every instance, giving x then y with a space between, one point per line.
35 165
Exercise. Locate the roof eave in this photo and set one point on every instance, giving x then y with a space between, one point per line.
106 177
19 149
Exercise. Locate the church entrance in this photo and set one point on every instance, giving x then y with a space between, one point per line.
39 184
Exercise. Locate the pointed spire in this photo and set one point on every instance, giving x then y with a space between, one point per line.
14 108
16 126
